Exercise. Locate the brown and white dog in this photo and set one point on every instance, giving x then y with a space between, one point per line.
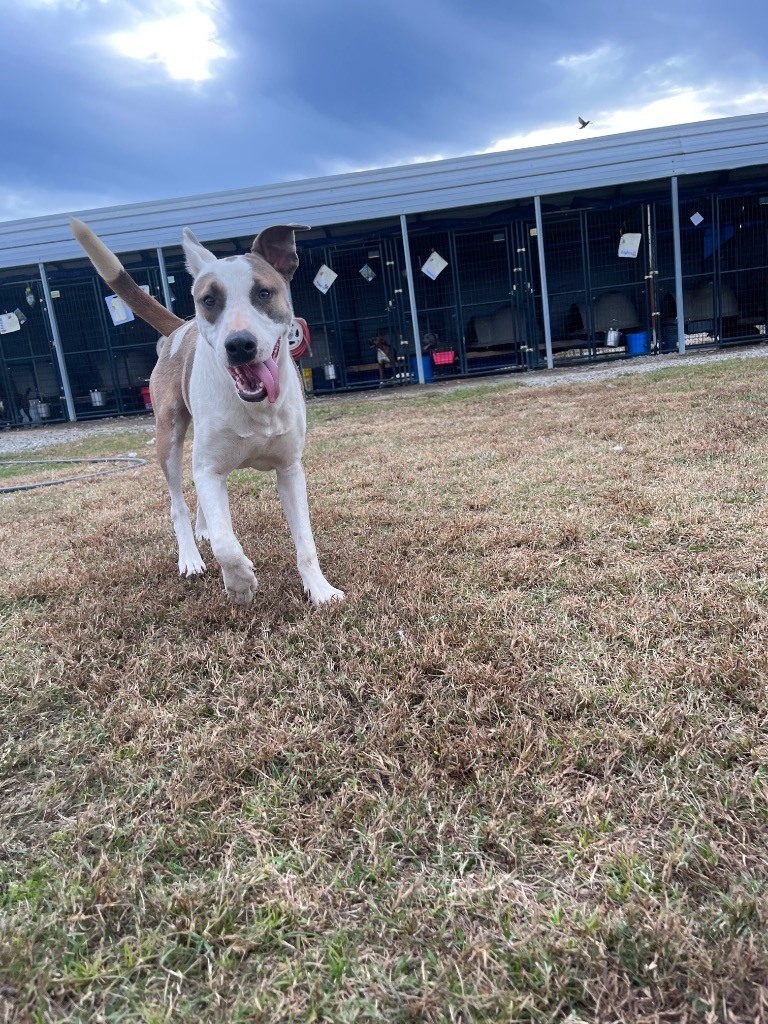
384 357
231 370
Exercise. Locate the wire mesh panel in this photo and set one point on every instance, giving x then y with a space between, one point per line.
741 256
133 345
357 324
108 353
698 215
179 282
616 250
322 366
526 292
476 304
30 385
494 330
617 255
369 295
665 284
567 285
724 260
597 285
83 336
442 333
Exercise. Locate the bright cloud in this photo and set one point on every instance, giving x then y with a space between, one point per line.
184 40
681 106
684 106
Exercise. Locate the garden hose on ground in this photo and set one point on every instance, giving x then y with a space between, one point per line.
134 462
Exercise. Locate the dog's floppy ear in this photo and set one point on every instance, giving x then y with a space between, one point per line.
278 246
197 255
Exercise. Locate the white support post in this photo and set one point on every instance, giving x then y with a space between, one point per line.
164 278
412 297
57 345
678 269
543 275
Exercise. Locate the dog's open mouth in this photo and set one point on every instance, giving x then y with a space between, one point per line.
256 381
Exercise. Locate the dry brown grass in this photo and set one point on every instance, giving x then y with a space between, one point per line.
521 775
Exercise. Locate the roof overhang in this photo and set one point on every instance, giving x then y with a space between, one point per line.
650 154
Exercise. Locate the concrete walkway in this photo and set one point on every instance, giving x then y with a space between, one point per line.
28 439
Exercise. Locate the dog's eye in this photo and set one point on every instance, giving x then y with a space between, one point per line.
265 293
209 301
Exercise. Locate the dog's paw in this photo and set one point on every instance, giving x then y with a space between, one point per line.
242 595
324 594
240 585
191 565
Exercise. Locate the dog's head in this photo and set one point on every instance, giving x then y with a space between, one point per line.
243 307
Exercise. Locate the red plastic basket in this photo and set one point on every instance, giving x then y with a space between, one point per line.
443 358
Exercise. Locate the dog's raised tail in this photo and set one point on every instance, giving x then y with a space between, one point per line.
120 281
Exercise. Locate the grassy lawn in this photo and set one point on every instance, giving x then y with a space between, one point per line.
521 775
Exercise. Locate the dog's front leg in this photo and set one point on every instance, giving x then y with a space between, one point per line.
292 488
237 569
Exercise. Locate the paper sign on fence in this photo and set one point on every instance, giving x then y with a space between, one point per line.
434 265
118 310
324 278
629 244
9 323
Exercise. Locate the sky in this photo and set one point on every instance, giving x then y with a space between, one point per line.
108 102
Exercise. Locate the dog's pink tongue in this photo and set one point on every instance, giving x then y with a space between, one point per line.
269 375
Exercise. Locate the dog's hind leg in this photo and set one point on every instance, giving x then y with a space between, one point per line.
292 488
172 427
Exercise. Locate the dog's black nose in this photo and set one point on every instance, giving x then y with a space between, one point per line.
240 348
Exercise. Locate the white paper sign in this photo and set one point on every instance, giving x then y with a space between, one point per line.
629 244
696 219
434 265
118 310
324 278
9 323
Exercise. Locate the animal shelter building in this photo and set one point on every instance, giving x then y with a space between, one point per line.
601 249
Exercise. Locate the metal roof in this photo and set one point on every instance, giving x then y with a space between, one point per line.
722 144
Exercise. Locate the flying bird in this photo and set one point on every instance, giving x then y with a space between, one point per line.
583 123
